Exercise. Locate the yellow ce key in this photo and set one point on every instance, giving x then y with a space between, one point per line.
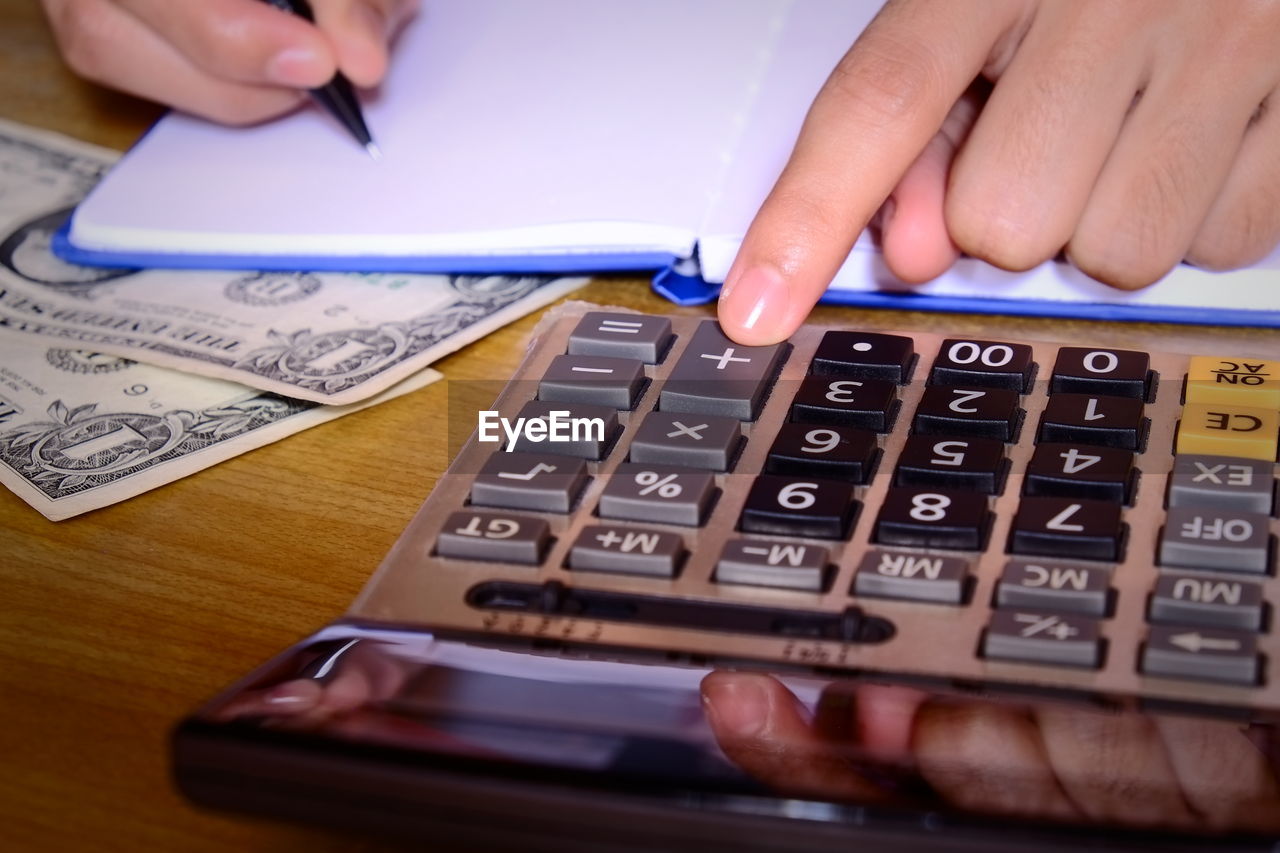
1249 382
1239 431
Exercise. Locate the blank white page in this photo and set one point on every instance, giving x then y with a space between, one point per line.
506 126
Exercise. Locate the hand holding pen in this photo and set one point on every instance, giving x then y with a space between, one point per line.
233 61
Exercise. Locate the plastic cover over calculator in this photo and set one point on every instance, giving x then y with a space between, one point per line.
861 588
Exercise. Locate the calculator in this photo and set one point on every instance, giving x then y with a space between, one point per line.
995 524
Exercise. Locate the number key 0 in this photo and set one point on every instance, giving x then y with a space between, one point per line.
1115 373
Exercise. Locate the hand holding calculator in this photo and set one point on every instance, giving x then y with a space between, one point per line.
648 501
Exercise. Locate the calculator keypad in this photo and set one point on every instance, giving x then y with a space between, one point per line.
1124 540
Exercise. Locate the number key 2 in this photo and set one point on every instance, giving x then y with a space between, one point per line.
960 412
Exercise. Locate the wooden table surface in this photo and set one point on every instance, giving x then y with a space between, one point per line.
114 624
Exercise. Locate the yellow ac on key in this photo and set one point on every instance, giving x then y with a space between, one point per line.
1250 382
1240 431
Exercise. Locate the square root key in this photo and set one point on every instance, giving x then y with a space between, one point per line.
529 481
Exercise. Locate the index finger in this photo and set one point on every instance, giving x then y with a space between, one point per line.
877 111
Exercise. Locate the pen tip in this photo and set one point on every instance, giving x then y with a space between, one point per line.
374 151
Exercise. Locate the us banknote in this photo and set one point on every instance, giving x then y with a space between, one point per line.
332 338
81 429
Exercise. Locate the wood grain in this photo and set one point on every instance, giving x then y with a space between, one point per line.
114 624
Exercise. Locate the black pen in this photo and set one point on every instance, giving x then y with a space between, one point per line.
337 96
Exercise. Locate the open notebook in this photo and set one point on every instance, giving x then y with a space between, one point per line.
561 135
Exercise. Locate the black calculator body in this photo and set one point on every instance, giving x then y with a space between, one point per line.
859 590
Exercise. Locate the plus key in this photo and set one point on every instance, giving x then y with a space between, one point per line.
716 376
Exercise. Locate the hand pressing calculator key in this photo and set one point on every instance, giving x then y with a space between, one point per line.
918 560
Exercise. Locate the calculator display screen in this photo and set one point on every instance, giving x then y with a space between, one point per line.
791 745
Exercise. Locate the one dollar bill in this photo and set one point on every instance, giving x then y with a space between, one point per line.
81 430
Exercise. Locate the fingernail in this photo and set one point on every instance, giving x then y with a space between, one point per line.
293 695
759 293
738 706
296 67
